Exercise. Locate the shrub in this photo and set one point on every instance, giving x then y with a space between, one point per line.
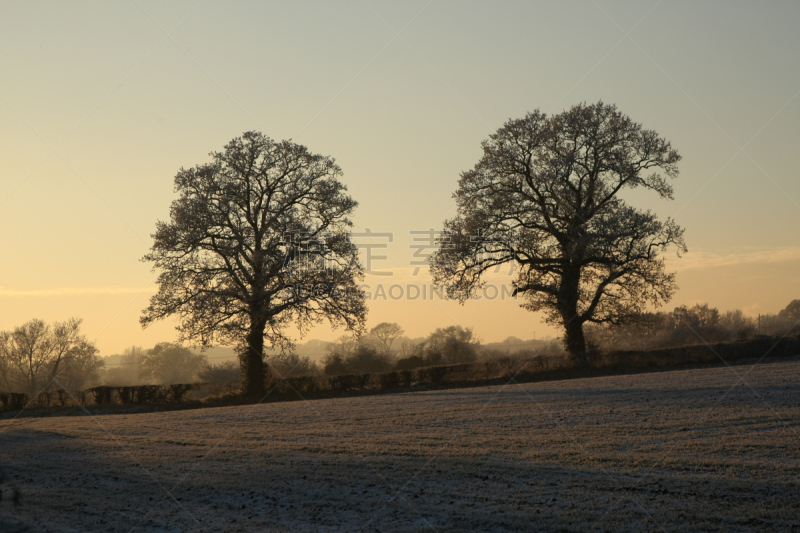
149 393
409 363
102 394
406 377
388 380
179 390
43 399
306 384
224 378
431 374
364 359
13 401
349 382
125 394
64 397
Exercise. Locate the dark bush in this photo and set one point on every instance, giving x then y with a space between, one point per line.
334 365
80 397
305 384
349 382
64 397
363 359
13 400
178 390
43 399
388 380
18 400
431 374
406 377
410 363
126 394
102 395
149 393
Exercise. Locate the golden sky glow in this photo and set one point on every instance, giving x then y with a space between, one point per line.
101 104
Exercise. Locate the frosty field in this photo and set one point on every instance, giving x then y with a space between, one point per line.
705 449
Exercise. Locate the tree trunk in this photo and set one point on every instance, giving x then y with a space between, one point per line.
252 362
574 340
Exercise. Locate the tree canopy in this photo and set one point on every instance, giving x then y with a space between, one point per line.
257 240
545 197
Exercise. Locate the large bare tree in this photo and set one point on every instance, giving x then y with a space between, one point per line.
33 355
258 239
545 196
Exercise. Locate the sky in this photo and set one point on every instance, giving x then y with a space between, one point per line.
102 102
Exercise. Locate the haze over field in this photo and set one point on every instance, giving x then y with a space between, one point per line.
101 106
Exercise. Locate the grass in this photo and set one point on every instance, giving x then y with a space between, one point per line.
684 450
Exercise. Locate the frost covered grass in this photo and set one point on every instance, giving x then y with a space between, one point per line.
708 449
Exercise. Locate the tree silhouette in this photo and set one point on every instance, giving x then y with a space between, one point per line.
385 334
257 240
544 196
169 363
35 354
791 311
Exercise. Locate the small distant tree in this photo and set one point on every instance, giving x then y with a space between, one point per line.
699 316
34 355
385 334
81 370
125 371
131 359
545 197
791 312
737 324
451 345
352 355
334 365
368 360
257 240
169 363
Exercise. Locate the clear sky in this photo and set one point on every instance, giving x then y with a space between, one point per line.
102 102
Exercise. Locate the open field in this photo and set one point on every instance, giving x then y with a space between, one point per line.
682 450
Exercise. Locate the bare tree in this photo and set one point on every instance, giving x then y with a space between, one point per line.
34 353
258 240
544 197
385 334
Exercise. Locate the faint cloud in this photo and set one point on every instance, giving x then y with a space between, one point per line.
73 291
753 310
704 259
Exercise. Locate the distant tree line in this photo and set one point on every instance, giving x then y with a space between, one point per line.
38 357
698 324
